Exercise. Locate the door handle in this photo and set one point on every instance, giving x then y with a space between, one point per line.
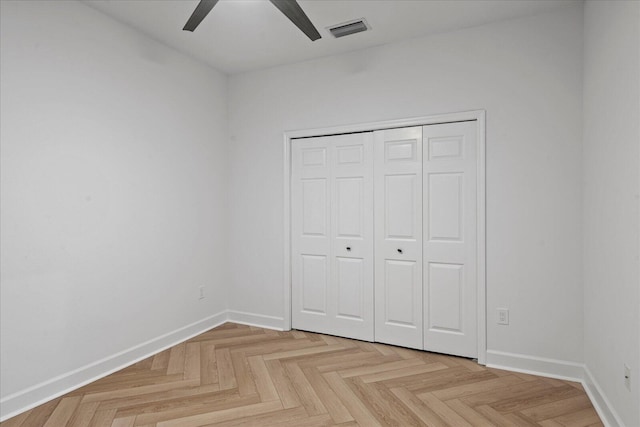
399 250
348 248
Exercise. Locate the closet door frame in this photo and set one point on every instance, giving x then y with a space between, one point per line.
474 115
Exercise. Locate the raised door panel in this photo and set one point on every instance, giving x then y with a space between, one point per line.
446 207
350 285
350 207
449 252
313 284
400 221
398 228
445 297
400 278
313 203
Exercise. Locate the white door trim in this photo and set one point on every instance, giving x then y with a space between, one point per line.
477 115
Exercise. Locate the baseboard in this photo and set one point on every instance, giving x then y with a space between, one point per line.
38 394
599 400
552 368
560 369
260 320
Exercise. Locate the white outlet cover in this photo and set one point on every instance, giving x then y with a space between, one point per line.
503 316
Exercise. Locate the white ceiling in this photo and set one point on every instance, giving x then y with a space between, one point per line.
243 35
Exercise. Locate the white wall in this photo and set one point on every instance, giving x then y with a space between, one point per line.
113 191
611 194
526 73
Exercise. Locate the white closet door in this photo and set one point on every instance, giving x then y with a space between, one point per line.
449 153
398 229
332 235
352 233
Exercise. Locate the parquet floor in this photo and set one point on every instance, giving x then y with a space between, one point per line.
237 375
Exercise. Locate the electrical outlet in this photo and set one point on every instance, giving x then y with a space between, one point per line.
201 292
627 377
503 316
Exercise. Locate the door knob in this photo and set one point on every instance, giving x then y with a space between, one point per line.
399 250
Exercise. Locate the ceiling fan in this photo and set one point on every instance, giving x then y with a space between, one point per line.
290 8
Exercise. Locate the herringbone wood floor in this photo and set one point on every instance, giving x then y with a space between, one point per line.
237 375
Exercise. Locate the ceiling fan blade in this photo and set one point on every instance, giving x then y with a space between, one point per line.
294 12
203 8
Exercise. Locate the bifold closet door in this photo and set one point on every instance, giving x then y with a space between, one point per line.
450 238
332 235
398 236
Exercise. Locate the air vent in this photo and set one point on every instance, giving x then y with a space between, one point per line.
349 28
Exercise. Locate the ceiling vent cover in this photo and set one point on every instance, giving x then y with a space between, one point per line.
349 28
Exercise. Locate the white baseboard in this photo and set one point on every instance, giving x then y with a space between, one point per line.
599 400
560 369
38 394
552 368
260 320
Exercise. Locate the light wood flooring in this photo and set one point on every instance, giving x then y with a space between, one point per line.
236 375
